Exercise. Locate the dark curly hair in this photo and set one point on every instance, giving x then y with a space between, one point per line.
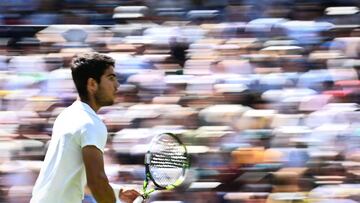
90 65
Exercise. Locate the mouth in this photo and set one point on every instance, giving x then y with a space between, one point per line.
117 92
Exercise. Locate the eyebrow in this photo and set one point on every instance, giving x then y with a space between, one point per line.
111 75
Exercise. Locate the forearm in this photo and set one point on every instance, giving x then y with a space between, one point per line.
101 190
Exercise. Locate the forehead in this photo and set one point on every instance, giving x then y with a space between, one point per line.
109 71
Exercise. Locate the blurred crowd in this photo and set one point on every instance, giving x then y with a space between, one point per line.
264 93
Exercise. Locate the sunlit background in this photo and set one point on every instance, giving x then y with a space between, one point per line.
264 93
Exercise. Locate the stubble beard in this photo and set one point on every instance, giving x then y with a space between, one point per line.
102 100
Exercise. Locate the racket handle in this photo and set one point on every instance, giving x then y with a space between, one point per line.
139 199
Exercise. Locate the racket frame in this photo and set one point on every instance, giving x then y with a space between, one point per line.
148 175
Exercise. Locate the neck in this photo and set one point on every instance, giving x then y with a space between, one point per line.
91 103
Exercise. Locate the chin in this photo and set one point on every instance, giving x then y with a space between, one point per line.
108 103
111 103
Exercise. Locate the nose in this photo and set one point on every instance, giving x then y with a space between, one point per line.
117 85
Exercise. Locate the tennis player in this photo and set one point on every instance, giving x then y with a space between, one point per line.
75 154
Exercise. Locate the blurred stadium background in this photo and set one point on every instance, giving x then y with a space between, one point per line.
264 93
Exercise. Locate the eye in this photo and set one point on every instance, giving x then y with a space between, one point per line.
112 78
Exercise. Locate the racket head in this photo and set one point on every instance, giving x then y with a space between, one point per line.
166 161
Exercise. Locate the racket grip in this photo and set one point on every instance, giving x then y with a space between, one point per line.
139 199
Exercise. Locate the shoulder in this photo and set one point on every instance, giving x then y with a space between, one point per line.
80 116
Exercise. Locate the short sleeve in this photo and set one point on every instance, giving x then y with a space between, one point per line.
94 136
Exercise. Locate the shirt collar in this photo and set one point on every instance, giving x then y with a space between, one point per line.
85 107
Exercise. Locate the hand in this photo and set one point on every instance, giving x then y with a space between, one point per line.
128 195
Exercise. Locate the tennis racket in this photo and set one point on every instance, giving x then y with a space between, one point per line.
166 164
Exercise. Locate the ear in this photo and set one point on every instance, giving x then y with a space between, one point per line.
92 85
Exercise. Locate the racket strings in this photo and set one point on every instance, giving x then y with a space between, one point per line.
161 161
167 154
168 161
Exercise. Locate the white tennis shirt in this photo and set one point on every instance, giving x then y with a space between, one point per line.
62 177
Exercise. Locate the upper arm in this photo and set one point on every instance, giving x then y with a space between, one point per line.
95 174
93 135
94 163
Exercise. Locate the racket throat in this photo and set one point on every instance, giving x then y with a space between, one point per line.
146 182
146 194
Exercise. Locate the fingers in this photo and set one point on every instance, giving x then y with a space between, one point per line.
128 195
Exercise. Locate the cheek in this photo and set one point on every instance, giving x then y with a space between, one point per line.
109 87
102 89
